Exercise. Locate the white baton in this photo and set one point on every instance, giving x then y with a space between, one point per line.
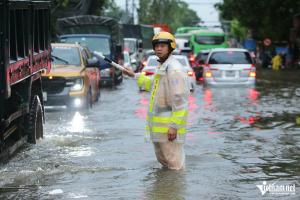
109 61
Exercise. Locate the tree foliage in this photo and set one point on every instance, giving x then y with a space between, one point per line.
266 18
175 13
65 8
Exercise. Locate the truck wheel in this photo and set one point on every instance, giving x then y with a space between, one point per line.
35 127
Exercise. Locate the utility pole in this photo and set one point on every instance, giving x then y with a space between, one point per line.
132 11
127 7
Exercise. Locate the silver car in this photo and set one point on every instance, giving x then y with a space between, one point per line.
152 63
230 66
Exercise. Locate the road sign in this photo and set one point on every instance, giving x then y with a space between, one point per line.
267 42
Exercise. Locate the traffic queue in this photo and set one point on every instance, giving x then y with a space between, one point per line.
78 72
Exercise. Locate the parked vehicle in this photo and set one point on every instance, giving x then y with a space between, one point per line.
24 55
152 63
73 81
199 64
127 61
144 59
134 47
101 34
229 66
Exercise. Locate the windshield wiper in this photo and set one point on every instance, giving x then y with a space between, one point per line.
61 59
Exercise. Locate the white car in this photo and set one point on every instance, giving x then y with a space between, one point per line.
229 66
152 63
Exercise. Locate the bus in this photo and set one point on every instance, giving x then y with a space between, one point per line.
207 39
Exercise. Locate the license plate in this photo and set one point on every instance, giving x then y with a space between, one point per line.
230 73
45 96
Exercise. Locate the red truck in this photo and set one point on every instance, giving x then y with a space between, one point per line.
24 55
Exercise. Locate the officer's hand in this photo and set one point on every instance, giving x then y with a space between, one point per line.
172 134
128 72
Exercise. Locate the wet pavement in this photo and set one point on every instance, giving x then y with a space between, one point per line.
237 138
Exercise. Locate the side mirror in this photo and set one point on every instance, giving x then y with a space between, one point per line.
92 62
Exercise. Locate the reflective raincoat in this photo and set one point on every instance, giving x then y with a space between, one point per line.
168 105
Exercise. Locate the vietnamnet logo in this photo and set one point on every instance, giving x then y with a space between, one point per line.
277 189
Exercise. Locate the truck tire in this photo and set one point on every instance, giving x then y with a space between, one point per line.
35 128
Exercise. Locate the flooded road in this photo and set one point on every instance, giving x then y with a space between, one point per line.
237 138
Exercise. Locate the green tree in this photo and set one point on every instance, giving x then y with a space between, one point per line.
264 17
175 13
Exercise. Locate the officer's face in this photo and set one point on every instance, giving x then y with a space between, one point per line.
161 50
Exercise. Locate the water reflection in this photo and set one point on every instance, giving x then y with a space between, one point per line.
77 123
165 184
234 108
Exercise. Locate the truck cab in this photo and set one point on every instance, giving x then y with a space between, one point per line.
100 43
101 34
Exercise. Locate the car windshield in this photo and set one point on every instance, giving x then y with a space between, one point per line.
210 40
202 57
65 56
129 45
230 57
93 43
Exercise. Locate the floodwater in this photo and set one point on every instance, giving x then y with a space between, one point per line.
237 138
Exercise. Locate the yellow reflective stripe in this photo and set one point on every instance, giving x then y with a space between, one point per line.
163 120
156 81
180 113
157 129
167 120
178 121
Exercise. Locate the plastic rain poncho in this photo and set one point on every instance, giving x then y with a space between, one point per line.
168 105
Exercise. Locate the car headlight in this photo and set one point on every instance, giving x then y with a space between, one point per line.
105 72
77 85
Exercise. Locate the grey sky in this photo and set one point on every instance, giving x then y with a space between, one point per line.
204 8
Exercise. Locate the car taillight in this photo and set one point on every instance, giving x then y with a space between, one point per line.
190 73
252 74
147 73
192 58
111 71
208 74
